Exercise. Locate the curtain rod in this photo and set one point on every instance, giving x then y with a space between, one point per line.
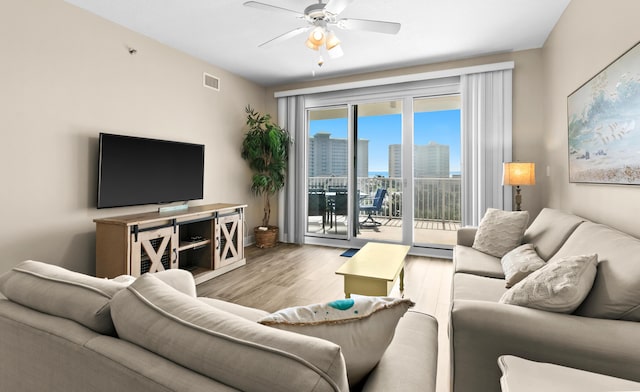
398 79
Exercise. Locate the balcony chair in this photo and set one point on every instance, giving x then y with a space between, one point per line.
375 206
340 206
317 205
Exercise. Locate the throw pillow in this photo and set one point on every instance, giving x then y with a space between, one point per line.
500 231
519 263
362 326
233 350
57 291
560 286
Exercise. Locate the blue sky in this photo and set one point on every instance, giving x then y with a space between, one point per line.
442 127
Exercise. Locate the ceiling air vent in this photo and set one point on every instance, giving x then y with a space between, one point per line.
210 81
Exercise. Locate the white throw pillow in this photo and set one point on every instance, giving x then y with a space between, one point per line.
362 326
560 286
500 231
519 263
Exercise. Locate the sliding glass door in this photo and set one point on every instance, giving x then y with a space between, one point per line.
436 170
384 168
380 176
328 172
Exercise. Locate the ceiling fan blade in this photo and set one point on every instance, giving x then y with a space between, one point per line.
269 7
377 26
285 36
337 6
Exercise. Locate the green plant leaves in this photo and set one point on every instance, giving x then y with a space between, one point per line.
265 147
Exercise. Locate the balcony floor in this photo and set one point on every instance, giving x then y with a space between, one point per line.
425 231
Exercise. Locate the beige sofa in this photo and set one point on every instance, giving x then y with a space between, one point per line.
65 340
601 336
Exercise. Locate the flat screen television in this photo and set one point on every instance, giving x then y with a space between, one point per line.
134 171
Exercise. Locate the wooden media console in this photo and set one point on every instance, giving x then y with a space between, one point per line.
206 240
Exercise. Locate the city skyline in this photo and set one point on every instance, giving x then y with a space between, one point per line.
441 127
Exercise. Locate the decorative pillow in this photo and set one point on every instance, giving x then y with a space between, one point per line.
57 291
560 286
127 279
235 351
616 291
500 231
179 279
519 263
362 326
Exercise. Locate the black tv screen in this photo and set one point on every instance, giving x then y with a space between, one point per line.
135 171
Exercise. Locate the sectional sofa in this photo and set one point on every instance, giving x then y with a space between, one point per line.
602 335
61 331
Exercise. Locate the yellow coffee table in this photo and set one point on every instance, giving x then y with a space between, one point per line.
374 269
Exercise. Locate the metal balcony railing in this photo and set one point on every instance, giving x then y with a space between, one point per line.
437 199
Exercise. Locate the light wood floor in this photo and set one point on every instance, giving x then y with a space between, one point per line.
292 275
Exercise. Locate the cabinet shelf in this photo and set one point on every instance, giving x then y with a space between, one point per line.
206 240
186 245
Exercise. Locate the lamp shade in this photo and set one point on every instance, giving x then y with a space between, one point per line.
332 41
311 45
317 36
518 173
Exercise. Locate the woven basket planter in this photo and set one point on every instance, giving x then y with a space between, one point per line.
266 238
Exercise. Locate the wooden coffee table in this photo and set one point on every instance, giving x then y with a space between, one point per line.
374 269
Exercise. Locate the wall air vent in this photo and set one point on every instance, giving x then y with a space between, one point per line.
210 81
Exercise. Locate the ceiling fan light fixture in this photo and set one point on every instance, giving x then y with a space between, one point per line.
317 36
332 41
311 45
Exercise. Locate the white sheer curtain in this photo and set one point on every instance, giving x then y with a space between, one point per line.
486 142
291 205
486 139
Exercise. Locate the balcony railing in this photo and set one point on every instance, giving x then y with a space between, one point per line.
435 199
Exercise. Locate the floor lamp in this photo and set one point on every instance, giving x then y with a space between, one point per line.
516 174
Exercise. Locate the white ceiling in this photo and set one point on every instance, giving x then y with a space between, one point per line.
227 34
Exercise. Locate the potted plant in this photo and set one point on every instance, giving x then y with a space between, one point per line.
266 148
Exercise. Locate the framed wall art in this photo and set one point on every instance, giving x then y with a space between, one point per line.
604 124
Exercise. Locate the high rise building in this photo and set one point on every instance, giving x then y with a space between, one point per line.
430 160
329 156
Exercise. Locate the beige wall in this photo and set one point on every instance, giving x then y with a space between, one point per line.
527 109
65 76
589 36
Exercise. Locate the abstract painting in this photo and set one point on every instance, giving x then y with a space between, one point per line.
604 124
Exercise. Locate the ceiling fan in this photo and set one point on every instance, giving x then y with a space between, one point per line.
321 19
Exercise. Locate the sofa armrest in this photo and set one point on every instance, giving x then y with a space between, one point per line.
410 361
466 236
522 375
480 332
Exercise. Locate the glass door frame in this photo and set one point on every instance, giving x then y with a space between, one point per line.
353 97
350 174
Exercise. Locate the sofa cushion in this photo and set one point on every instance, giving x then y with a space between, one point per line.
228 348
550 230
523 375
560 286
179 279
251 314
500 231
477 288
362 326
59 292
470 261
410 363
519 263
616 291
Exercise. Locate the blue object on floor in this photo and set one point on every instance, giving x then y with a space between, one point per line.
349 252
